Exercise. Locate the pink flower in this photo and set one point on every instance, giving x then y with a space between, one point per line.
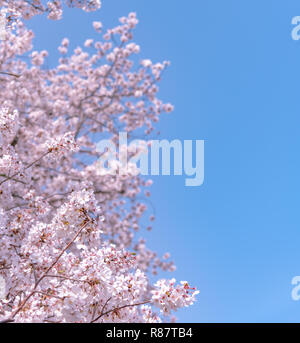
62 145
97 25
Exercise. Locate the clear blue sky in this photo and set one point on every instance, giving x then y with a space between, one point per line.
234 83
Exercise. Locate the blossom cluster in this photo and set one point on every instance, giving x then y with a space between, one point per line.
9 123
169 296
59 146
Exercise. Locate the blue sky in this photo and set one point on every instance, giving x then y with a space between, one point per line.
234 83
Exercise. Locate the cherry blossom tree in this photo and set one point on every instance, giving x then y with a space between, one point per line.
68 245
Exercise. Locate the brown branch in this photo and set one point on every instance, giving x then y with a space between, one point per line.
95 309
119 308
10 74
12 178
8 320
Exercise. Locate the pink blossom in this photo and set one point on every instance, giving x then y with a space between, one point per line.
62 145
97 25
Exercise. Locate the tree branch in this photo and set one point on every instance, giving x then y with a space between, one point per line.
119 308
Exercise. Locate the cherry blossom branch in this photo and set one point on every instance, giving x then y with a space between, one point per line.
21 306
10 74
120 308
12 178
8 320
28 166
95 309
35 6
49 295
65 278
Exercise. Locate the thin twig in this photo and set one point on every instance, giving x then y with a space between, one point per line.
28 166
10 74
119 308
